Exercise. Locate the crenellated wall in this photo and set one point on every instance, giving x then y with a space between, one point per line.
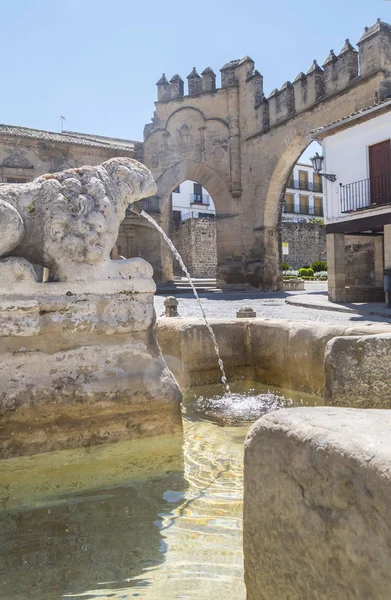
242 145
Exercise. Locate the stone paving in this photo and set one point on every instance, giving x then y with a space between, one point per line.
270 305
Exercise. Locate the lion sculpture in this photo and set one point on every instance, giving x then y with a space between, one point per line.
69 221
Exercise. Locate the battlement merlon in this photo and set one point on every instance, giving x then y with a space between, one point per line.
338 73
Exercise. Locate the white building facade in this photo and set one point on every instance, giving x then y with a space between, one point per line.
304 195
358 204
190 199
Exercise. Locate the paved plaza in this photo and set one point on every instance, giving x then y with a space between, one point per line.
270 305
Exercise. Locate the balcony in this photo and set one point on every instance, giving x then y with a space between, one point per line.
308 186
195 214
302 209
203 199
366 193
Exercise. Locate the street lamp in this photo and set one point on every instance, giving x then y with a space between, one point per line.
317 163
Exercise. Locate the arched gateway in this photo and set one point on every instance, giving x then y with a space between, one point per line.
241 146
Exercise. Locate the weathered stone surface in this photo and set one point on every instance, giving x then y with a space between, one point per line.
66 393
317 517
72 218
80 365
16 270
171 306
246 312
189 352
291 354
12 228
358 371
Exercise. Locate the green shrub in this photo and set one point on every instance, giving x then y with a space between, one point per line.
319 265
286 267
306 272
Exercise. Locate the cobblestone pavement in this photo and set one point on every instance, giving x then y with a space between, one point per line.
267 305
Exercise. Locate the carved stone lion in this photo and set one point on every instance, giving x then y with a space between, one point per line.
69 221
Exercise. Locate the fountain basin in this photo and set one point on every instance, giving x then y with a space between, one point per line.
348 366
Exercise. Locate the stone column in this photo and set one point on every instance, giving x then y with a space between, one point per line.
167 272
379 260
234 140
387 246
336 266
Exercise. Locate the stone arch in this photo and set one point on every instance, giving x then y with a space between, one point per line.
281 172
273 207
219 191
201 173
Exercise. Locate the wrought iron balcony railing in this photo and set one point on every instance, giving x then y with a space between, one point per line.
195 214
303 209
365 193
308 186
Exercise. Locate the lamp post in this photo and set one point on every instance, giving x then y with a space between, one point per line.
317 163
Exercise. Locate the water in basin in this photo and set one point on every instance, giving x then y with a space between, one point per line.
174 536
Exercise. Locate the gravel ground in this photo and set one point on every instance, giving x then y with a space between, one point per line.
269 305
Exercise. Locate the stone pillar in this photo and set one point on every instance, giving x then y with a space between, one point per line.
171 306
379 260
336 266
387 246
234 140
167 259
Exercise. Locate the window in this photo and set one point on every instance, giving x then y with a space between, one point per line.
290 182
289 202
17 180
177 190
303 180
318 206
197 193
318 184
303 205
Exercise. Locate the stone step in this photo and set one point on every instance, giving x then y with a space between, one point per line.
182 286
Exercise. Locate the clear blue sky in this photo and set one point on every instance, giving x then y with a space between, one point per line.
97 61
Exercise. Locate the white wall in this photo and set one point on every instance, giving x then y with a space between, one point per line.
346 155
183 200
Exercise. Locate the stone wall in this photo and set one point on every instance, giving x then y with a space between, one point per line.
195 240
137 237
317 484
307 243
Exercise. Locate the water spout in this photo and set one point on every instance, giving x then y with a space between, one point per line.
142 213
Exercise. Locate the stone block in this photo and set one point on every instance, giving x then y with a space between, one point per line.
358 371
317 517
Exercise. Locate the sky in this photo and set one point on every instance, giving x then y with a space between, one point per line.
97 62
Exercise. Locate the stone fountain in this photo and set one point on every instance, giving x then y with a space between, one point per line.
79 362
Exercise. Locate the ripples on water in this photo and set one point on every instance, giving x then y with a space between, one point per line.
178 536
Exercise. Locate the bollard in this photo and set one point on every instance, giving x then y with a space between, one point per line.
246 312
171 306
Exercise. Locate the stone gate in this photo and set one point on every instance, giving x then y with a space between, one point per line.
241 146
